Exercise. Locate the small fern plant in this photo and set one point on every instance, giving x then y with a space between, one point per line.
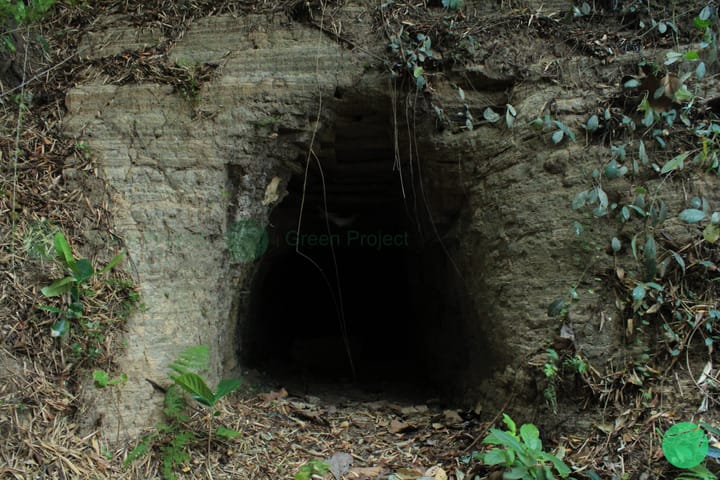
185 368
184 374
174 437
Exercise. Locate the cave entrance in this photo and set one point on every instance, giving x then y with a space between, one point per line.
349 291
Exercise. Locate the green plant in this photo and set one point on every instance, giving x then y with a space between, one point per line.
413 52
685 446
558 128
20 12
313 467
73 286
102 379
521 453
173 438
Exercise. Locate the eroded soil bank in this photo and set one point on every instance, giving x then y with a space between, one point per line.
342 197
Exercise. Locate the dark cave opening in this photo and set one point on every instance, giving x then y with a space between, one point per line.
352 290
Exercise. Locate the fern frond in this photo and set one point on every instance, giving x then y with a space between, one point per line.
141 449
174 453
191 360
175 405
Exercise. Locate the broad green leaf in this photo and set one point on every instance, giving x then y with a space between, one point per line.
196 387
592 124
82 270
676 163
531 436
711 233
557 136
691 215
495 456
517 473
685 445
562 469
632 83
226 387
58 287
500 437
615 244
700 71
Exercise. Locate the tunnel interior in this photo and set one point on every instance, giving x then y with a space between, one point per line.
350 290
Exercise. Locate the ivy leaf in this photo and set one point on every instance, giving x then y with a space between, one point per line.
676 163
490 115
556 307
691 215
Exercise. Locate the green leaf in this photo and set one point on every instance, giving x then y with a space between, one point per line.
115 260
62 247
518 473
676 163
638 293
227 433
101 378
531 436
562 469
643 154
490 115
592 124
495 456
82 270
691 215
510 424
58 287
196 387
556 307
557 136
59 328
685 445
678 259
615 244
711 233
226 387
632 83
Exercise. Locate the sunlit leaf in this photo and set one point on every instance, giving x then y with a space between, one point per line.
676 163
711 233
685 445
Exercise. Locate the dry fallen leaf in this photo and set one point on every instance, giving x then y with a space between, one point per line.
365 473
397 426
452 417
271 396
271 191
436 472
